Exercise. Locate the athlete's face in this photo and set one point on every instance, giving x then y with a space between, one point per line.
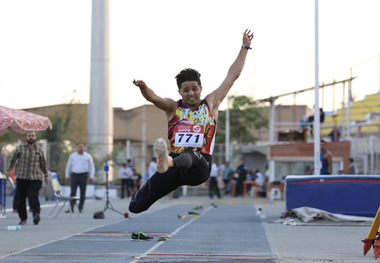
191 93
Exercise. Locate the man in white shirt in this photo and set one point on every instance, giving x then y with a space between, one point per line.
213 181
152 167
260 180
126 175
81 167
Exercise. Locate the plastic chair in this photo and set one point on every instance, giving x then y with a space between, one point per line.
61 199
275 194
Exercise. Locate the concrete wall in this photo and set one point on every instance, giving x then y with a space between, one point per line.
305 151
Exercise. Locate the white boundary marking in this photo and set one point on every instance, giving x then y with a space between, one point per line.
71 235
171 235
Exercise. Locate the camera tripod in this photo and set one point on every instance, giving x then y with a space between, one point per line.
108 202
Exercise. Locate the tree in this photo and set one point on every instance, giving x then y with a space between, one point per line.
66 132
246 117
11 137
59 151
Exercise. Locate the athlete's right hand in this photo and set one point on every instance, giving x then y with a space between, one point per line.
139 83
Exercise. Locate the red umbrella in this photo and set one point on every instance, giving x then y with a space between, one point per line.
21 121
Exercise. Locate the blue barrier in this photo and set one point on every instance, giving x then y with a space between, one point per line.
342 194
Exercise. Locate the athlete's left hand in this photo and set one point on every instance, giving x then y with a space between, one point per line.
247 37
139 83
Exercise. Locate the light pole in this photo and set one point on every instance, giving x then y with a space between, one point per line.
228 130
316 105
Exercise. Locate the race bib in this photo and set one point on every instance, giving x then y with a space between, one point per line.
188 135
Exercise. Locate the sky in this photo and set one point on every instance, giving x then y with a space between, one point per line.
45 48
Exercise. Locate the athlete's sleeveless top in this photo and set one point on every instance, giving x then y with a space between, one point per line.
324 164
194 129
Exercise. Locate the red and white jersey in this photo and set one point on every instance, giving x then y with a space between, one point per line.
195 129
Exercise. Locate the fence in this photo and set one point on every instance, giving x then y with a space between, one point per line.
365 151
57 154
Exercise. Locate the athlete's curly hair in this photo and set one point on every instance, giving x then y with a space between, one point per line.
188 74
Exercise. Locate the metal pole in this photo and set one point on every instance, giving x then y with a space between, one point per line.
344 127
271 121
143 144
271 165
372 154
349 110
333 97
128 149
100 111
294 107
316 105
228 130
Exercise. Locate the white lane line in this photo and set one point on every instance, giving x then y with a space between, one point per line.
89 229
45 205
170 236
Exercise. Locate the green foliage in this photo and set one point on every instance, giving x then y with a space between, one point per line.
11 137
61 123
59 151
246 116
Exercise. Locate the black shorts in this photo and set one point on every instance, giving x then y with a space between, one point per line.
190 169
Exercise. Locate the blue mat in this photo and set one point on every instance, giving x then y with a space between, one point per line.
224 233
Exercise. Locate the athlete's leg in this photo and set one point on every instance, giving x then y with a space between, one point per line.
159 185
195 169
190 168
186 159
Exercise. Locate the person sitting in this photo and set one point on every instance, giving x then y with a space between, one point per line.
335 134
260 180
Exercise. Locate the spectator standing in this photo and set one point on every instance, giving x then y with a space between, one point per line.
335 134
221 169
227 172
146 174
136 180
129 163
213 183
79 167
310 120
353 168
326 160
125 174
242 172
30 171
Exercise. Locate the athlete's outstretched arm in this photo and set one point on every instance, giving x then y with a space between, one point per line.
216 97
165 104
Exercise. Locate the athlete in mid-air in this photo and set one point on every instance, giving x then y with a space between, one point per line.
191 131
